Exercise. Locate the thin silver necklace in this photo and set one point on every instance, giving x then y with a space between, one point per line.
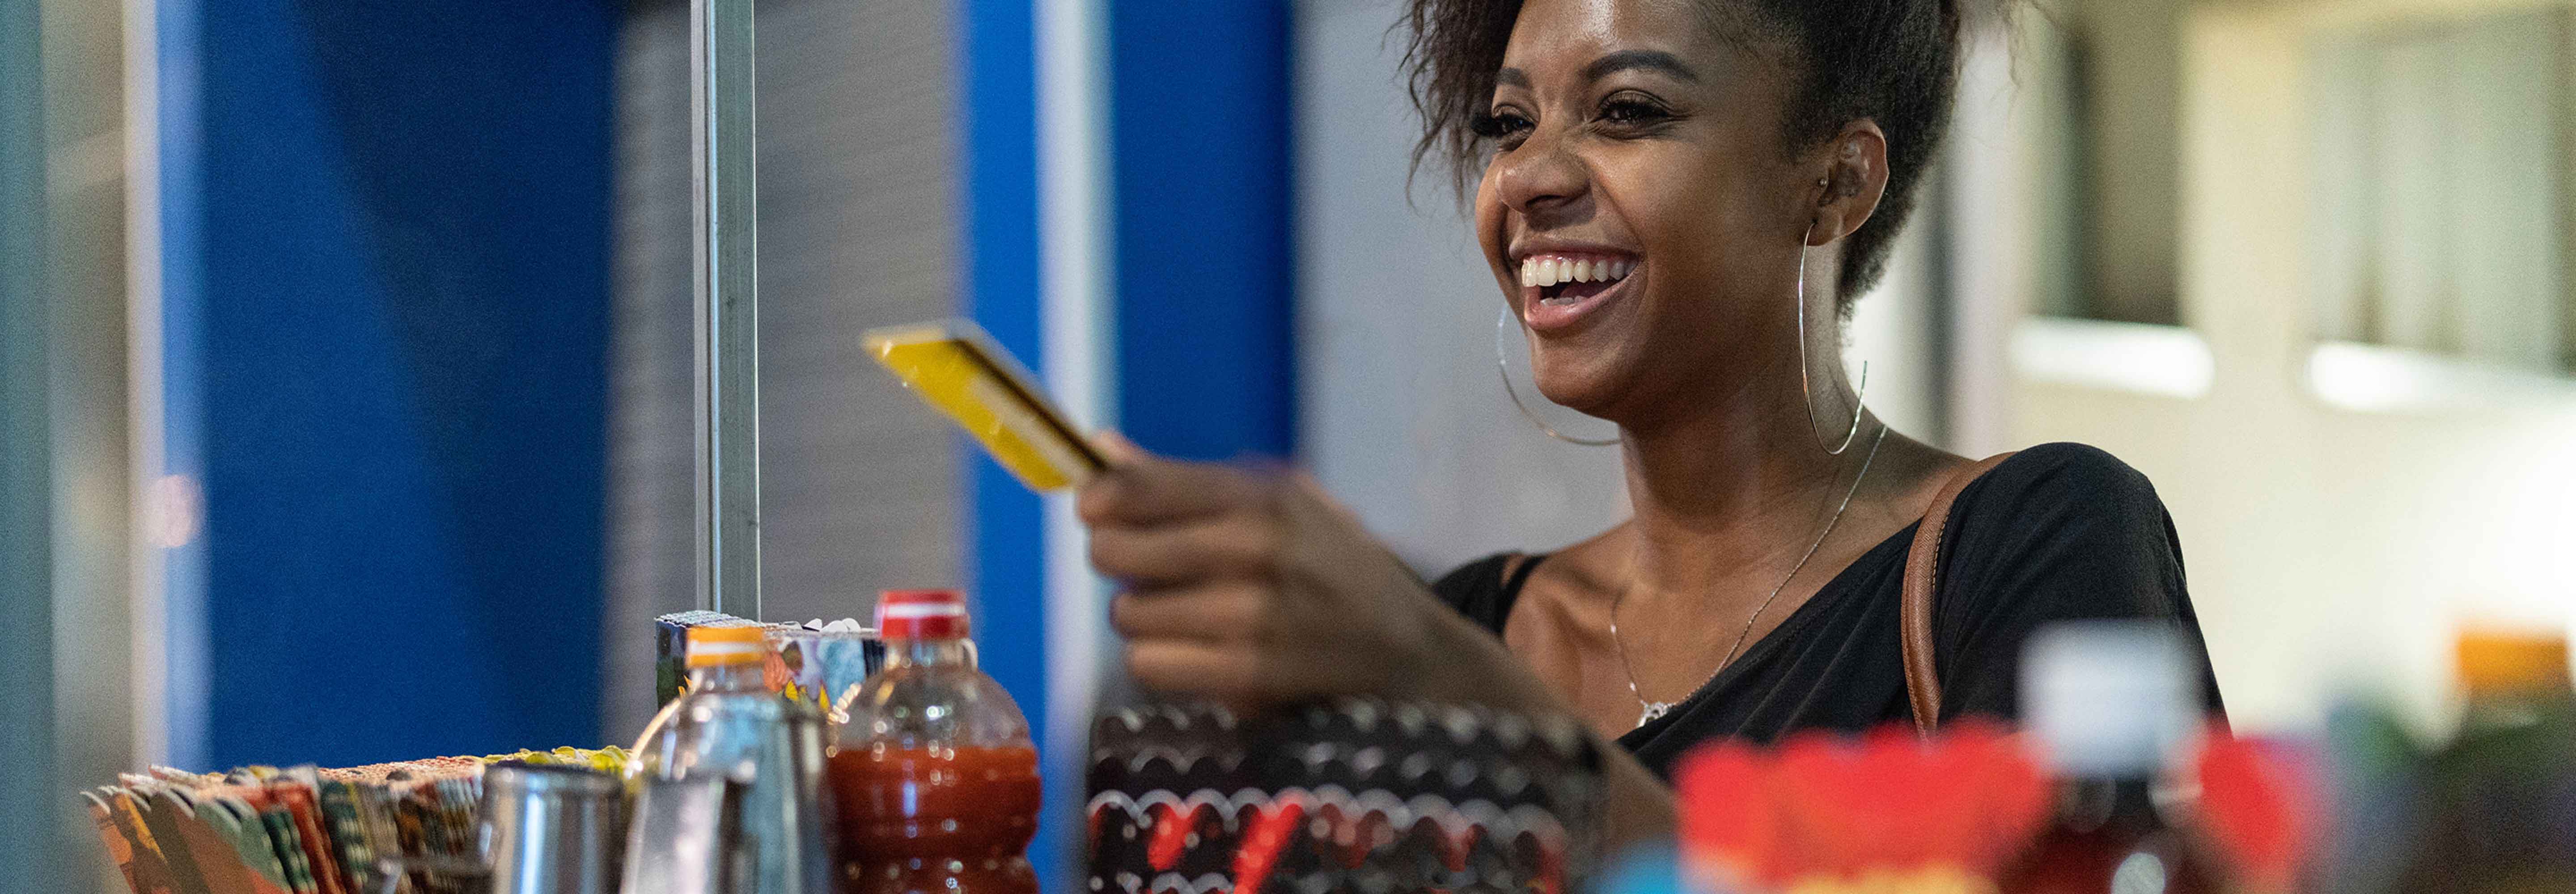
1649 710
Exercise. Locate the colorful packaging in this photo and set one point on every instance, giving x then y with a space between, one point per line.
120 846
671 647
818 663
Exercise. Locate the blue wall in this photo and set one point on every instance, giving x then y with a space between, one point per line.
387 308
1206 238
1007 529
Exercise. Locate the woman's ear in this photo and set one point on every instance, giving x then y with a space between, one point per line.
1854 177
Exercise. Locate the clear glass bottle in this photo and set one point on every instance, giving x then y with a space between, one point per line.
935 775
2111 706
730 723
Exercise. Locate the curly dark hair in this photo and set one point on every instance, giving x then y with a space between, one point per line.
1895 62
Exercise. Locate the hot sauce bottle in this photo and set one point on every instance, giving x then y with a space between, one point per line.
935 777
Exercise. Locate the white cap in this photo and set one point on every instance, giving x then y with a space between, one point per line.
2107 698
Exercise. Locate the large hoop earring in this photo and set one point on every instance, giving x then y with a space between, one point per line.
1502 370
1807 393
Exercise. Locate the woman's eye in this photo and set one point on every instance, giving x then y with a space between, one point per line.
1507 128
1631 111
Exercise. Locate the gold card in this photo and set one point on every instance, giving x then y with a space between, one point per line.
960 371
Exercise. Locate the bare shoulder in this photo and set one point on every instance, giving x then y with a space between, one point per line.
1906 476
1584 570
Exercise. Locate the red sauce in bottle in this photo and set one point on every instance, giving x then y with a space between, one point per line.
936 819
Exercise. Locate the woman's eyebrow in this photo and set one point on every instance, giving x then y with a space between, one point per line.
1622 60
1655 60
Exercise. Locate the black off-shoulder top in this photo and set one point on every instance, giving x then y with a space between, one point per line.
2058 532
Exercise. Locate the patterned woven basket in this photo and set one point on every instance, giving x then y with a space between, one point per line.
1351 796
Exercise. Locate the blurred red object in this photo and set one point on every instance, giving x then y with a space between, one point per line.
2257 809
1888 805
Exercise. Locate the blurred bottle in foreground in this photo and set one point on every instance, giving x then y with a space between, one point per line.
2111 707
935 776
2499 802
731 725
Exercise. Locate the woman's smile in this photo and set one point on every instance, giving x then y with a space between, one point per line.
1559 286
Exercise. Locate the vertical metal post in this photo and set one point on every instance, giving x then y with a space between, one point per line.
728 348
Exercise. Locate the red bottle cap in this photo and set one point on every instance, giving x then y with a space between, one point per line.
921 614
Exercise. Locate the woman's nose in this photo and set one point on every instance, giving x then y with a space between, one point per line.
1542 175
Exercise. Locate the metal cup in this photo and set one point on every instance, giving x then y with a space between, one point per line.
552 830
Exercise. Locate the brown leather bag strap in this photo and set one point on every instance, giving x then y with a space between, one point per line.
1922 577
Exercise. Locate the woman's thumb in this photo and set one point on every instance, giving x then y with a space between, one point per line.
1116 448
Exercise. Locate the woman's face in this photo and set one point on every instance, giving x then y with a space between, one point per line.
1639 155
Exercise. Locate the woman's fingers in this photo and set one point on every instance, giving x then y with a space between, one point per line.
1233 544
1115 448
1141 489
1237 613
1197 667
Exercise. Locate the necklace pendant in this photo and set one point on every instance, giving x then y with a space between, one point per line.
1652 711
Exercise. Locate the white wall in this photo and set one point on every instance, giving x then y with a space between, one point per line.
2327 548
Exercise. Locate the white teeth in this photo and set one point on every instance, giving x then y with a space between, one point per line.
1548 271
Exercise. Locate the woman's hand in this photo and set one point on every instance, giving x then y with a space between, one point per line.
1252 586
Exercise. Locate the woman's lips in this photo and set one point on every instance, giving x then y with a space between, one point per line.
1560 289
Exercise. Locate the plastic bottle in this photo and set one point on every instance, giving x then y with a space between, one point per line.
2500 799
935 776
731 724
2514 681
2110 705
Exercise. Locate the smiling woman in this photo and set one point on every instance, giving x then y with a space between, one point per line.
1679 201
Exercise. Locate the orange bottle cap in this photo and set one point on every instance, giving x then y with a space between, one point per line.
2492 661
711 646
